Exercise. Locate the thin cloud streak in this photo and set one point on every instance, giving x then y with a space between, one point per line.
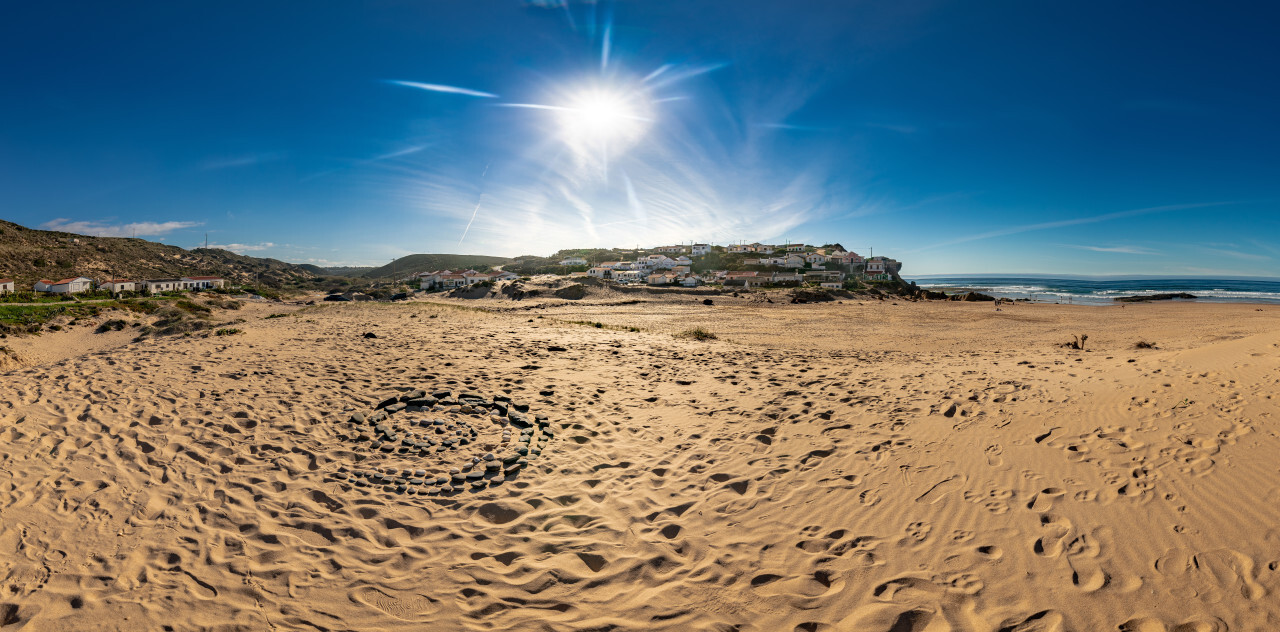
101 229
436 87
1015 230
243 248
1126 250
1235 254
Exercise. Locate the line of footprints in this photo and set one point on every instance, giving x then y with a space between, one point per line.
434 433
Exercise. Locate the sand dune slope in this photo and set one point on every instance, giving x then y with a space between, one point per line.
679 485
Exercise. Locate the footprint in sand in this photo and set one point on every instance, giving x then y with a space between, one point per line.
403 606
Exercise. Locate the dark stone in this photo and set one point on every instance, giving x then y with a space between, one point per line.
370 334
707 301
387 402
357 418
1167 296
423 402
414 394
442 394
396 407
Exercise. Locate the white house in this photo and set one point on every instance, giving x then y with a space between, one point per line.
573 261
875 265
151 286
503 275
831 285
701 249
629 276
201 282
661 278
683 261
670 248
600 272
661 261
794 247
787 277
65 286
116 286
682 269
6 286
740 248
814 257
793 261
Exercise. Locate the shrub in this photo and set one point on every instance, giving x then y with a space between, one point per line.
697 333
268 316
227 331
114 324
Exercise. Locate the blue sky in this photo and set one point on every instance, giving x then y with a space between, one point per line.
976 137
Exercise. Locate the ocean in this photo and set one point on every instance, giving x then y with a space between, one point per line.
1102 290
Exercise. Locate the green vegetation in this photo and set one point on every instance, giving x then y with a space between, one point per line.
227 331
114 324
268 316
697 333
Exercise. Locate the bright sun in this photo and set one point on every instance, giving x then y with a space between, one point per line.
602 117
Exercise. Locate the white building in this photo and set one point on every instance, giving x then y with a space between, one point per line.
116 286
701 249
670 249
202 282
151 286
65 286
6 286
573 261
600 272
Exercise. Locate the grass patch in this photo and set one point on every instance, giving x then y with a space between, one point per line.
227 331
191 307
697 333
268 316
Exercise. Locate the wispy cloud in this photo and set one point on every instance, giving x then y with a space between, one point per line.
103 229
1235 254
436 87
243 248
1026 228
1125 250
242 161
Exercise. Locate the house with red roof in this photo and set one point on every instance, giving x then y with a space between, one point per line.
6 286
73 285
116 286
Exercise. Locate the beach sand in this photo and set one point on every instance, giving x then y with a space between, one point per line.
858 466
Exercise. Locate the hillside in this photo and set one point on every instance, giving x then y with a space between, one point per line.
413 264
28 255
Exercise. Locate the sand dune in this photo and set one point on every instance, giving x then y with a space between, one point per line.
880 467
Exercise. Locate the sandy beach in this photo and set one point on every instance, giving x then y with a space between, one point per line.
876 465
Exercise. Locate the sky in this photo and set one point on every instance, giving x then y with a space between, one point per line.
1087 138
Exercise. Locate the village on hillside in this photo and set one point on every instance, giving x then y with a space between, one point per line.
738 265
693 265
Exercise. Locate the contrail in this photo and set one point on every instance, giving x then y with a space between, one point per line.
435 87
477 209
473 218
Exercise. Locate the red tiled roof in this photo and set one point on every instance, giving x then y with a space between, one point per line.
6 280
65 281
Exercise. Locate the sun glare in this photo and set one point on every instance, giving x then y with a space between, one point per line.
603 117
